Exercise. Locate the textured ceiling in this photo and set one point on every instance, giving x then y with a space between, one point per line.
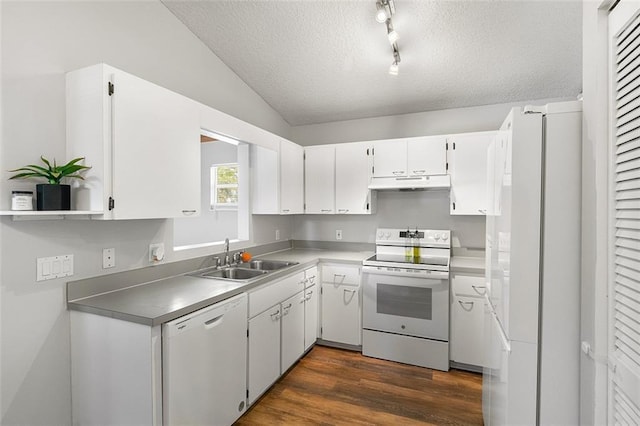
322 61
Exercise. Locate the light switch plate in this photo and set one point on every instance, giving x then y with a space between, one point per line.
49 268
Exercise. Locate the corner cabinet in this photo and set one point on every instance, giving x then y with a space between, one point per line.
467 155
277 179
142 142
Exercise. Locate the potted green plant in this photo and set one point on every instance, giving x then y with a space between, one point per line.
52 195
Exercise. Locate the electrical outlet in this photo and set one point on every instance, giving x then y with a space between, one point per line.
277 234
338 234
156 252
108 258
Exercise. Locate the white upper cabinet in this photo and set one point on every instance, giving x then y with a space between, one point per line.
427 156
277 179
419 156
142 141
319 182
390 158
353 171
468 171
291 178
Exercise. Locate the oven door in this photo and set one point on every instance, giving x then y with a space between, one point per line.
406 302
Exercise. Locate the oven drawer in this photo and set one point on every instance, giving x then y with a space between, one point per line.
341 274
468 285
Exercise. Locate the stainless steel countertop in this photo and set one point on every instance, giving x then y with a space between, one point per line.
163 300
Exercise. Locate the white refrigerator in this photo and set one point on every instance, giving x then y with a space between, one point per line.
532 302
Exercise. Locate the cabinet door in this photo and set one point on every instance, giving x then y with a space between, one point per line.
390 158
291 178
156 151
353 166
310 316
341 314
292 330
319 164
467 330
264 351
468 170
427 156
265 191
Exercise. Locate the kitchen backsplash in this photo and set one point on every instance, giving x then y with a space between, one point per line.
396 209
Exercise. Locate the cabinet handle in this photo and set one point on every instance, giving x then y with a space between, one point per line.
285 210
312 279
482 211
303 281
419 172
326 210
339 275
276 315
345 293
189 212
343 210
398 172
466 303
309 296
476 287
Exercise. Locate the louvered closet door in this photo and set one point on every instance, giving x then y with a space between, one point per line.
624 352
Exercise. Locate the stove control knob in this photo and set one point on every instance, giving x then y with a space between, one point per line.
380 234
437 236
387 235
445 237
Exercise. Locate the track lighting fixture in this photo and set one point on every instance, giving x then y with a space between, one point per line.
384 10
381 13
391 33
393 69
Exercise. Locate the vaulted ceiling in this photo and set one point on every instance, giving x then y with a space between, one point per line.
319 61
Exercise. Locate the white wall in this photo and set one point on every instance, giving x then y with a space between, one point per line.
41 41
395 209
458 120
595 205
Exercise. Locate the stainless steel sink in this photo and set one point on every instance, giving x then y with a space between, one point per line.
269 265
236 274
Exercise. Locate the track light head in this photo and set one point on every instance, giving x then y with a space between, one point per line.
381 13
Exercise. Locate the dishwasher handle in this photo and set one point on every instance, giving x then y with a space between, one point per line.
214 322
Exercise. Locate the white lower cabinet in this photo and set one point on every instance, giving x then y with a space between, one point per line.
264 351
279 335
467 319
341 306
292 329
310 316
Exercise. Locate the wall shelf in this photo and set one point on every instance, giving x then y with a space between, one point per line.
48 214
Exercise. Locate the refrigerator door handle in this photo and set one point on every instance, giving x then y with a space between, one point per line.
506 345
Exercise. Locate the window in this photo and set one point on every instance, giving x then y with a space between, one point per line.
224 186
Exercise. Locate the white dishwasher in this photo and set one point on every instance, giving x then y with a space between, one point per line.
204 365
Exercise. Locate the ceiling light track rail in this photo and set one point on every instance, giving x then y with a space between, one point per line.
384 11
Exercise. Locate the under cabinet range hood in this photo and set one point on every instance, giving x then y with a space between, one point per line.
410 183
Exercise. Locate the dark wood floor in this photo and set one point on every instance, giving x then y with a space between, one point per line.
337 387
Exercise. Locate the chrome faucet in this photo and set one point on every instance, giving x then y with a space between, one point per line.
226 251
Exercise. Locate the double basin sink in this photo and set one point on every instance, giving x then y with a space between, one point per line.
244 271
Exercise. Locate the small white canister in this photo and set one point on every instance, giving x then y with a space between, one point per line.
22 200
